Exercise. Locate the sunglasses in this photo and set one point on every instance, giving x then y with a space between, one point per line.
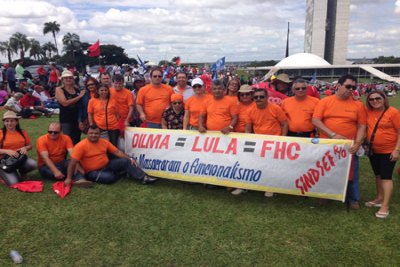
53 132
156 76
197 86
258 97
176 103
375 99
245 94
350 87
300 88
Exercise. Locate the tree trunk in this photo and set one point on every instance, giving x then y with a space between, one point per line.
55 42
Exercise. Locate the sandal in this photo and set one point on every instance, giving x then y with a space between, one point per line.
371 204
382 215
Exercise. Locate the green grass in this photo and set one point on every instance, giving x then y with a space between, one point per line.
178 224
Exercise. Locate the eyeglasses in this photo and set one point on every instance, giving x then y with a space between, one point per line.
300 88
53 132
176 103
258 97
90 84
244 94
350 87
375 99
68 78
156 76
197 86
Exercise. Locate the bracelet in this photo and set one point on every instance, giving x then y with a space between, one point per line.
230 127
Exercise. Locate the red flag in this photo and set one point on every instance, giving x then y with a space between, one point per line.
60 189
29 186
178 61
94 50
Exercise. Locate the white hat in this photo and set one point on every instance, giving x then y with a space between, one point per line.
197 81
66 73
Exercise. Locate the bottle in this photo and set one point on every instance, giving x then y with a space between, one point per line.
16 257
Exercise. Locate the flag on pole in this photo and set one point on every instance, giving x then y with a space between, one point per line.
94 50
218 66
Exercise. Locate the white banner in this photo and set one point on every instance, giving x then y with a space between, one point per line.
288 165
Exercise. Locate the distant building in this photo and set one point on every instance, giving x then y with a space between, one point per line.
326 29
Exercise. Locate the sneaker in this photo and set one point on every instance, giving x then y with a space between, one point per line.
83 183
149 180
238 191
268 194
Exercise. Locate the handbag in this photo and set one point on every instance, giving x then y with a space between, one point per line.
368 145
10 164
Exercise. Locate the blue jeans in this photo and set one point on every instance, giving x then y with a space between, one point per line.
153 125
110 173
48 174
353 188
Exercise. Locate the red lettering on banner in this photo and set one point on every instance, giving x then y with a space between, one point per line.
266 147
211 144
282 150
312 176
157 141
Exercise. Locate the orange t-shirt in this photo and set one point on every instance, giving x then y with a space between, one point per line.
219 112
341 116
57 149
385 139
154 101
194 105
14 140
299 113
98 109
93 156
243 110
124 100
267 120
233 98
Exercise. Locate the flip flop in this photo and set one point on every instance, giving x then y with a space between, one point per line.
382 215
371 204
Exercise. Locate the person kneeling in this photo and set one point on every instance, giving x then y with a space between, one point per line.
91 154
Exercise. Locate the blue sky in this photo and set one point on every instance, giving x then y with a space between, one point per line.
200 30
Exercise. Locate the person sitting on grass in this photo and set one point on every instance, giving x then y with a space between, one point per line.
91 154
52 150
15 141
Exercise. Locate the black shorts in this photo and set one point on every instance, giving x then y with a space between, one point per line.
382 166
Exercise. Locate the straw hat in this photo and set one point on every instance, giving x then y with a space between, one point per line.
10 115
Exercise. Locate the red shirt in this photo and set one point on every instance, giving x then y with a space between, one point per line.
28 101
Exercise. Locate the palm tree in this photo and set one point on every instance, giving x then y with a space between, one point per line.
6 49
71 43
53 27
35 48
20 42
48 47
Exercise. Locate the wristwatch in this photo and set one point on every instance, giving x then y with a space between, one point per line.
332 134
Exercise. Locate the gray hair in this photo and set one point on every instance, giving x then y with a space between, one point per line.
299 80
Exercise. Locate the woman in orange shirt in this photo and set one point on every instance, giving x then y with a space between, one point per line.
233 88
193 105
15 141
102 111
385 147
245 95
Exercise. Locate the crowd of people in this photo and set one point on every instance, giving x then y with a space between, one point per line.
282 106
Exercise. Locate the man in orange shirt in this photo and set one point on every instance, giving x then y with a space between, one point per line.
341 117
153 99
52 150
221 112
91 154
264 117
123 98
299 110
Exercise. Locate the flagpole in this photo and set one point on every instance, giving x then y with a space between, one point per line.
287 40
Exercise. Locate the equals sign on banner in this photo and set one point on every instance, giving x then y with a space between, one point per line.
249 146
180 142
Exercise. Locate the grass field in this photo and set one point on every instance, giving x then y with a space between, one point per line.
178 224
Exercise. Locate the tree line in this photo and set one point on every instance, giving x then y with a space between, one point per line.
74 51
